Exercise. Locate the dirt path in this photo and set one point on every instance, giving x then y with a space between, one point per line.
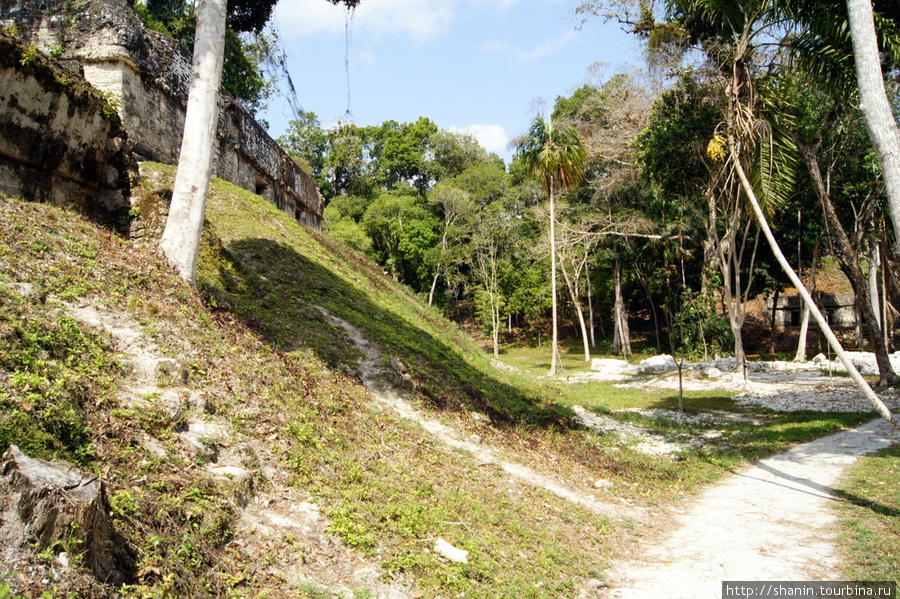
770 521
372 374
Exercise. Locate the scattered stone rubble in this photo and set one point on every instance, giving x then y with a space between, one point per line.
776 385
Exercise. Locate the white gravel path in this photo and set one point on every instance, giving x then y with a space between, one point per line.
767 522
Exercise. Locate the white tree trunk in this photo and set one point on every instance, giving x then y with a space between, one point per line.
587 274
874 265
870 395
495 324
874 103
573 293
804 311
554 346
184 227
437 272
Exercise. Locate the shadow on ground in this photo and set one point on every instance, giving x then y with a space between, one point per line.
278 292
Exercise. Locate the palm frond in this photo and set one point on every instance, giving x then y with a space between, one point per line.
774 172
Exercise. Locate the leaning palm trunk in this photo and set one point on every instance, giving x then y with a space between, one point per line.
874 103
814 310
184 226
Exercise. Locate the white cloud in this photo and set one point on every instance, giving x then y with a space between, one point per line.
368 58
544 48
420 20
304 17
492 138
548 47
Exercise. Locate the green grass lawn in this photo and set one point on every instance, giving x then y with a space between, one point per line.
870 517
713 447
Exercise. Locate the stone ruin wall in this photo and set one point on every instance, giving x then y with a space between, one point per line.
150 73
59 141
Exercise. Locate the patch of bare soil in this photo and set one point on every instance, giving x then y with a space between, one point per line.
374 375
278 529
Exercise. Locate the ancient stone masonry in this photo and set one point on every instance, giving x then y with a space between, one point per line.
149 74
60 141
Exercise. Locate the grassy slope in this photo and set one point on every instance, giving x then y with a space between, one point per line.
282 377
387 488
275 275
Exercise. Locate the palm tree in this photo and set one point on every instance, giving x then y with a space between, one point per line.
555 158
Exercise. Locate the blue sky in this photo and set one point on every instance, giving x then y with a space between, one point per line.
476 65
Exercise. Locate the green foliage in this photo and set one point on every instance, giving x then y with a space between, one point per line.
585 105
452 153
246 46
242 73
487 305
402 230
485 183
698 332
555 157
111 104
54 372
683 120
398 153
346 230
29 55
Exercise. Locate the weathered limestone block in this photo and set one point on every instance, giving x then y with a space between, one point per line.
59 142
53 504
150 75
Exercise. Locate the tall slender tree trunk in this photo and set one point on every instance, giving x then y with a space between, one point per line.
732 300
773 325
848 258
800 356
621 335
874 266
874 103
861 383
495 319
184 226
570 285
590 295
554 344
437 268
434 280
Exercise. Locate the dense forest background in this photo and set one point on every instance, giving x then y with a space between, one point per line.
657 236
